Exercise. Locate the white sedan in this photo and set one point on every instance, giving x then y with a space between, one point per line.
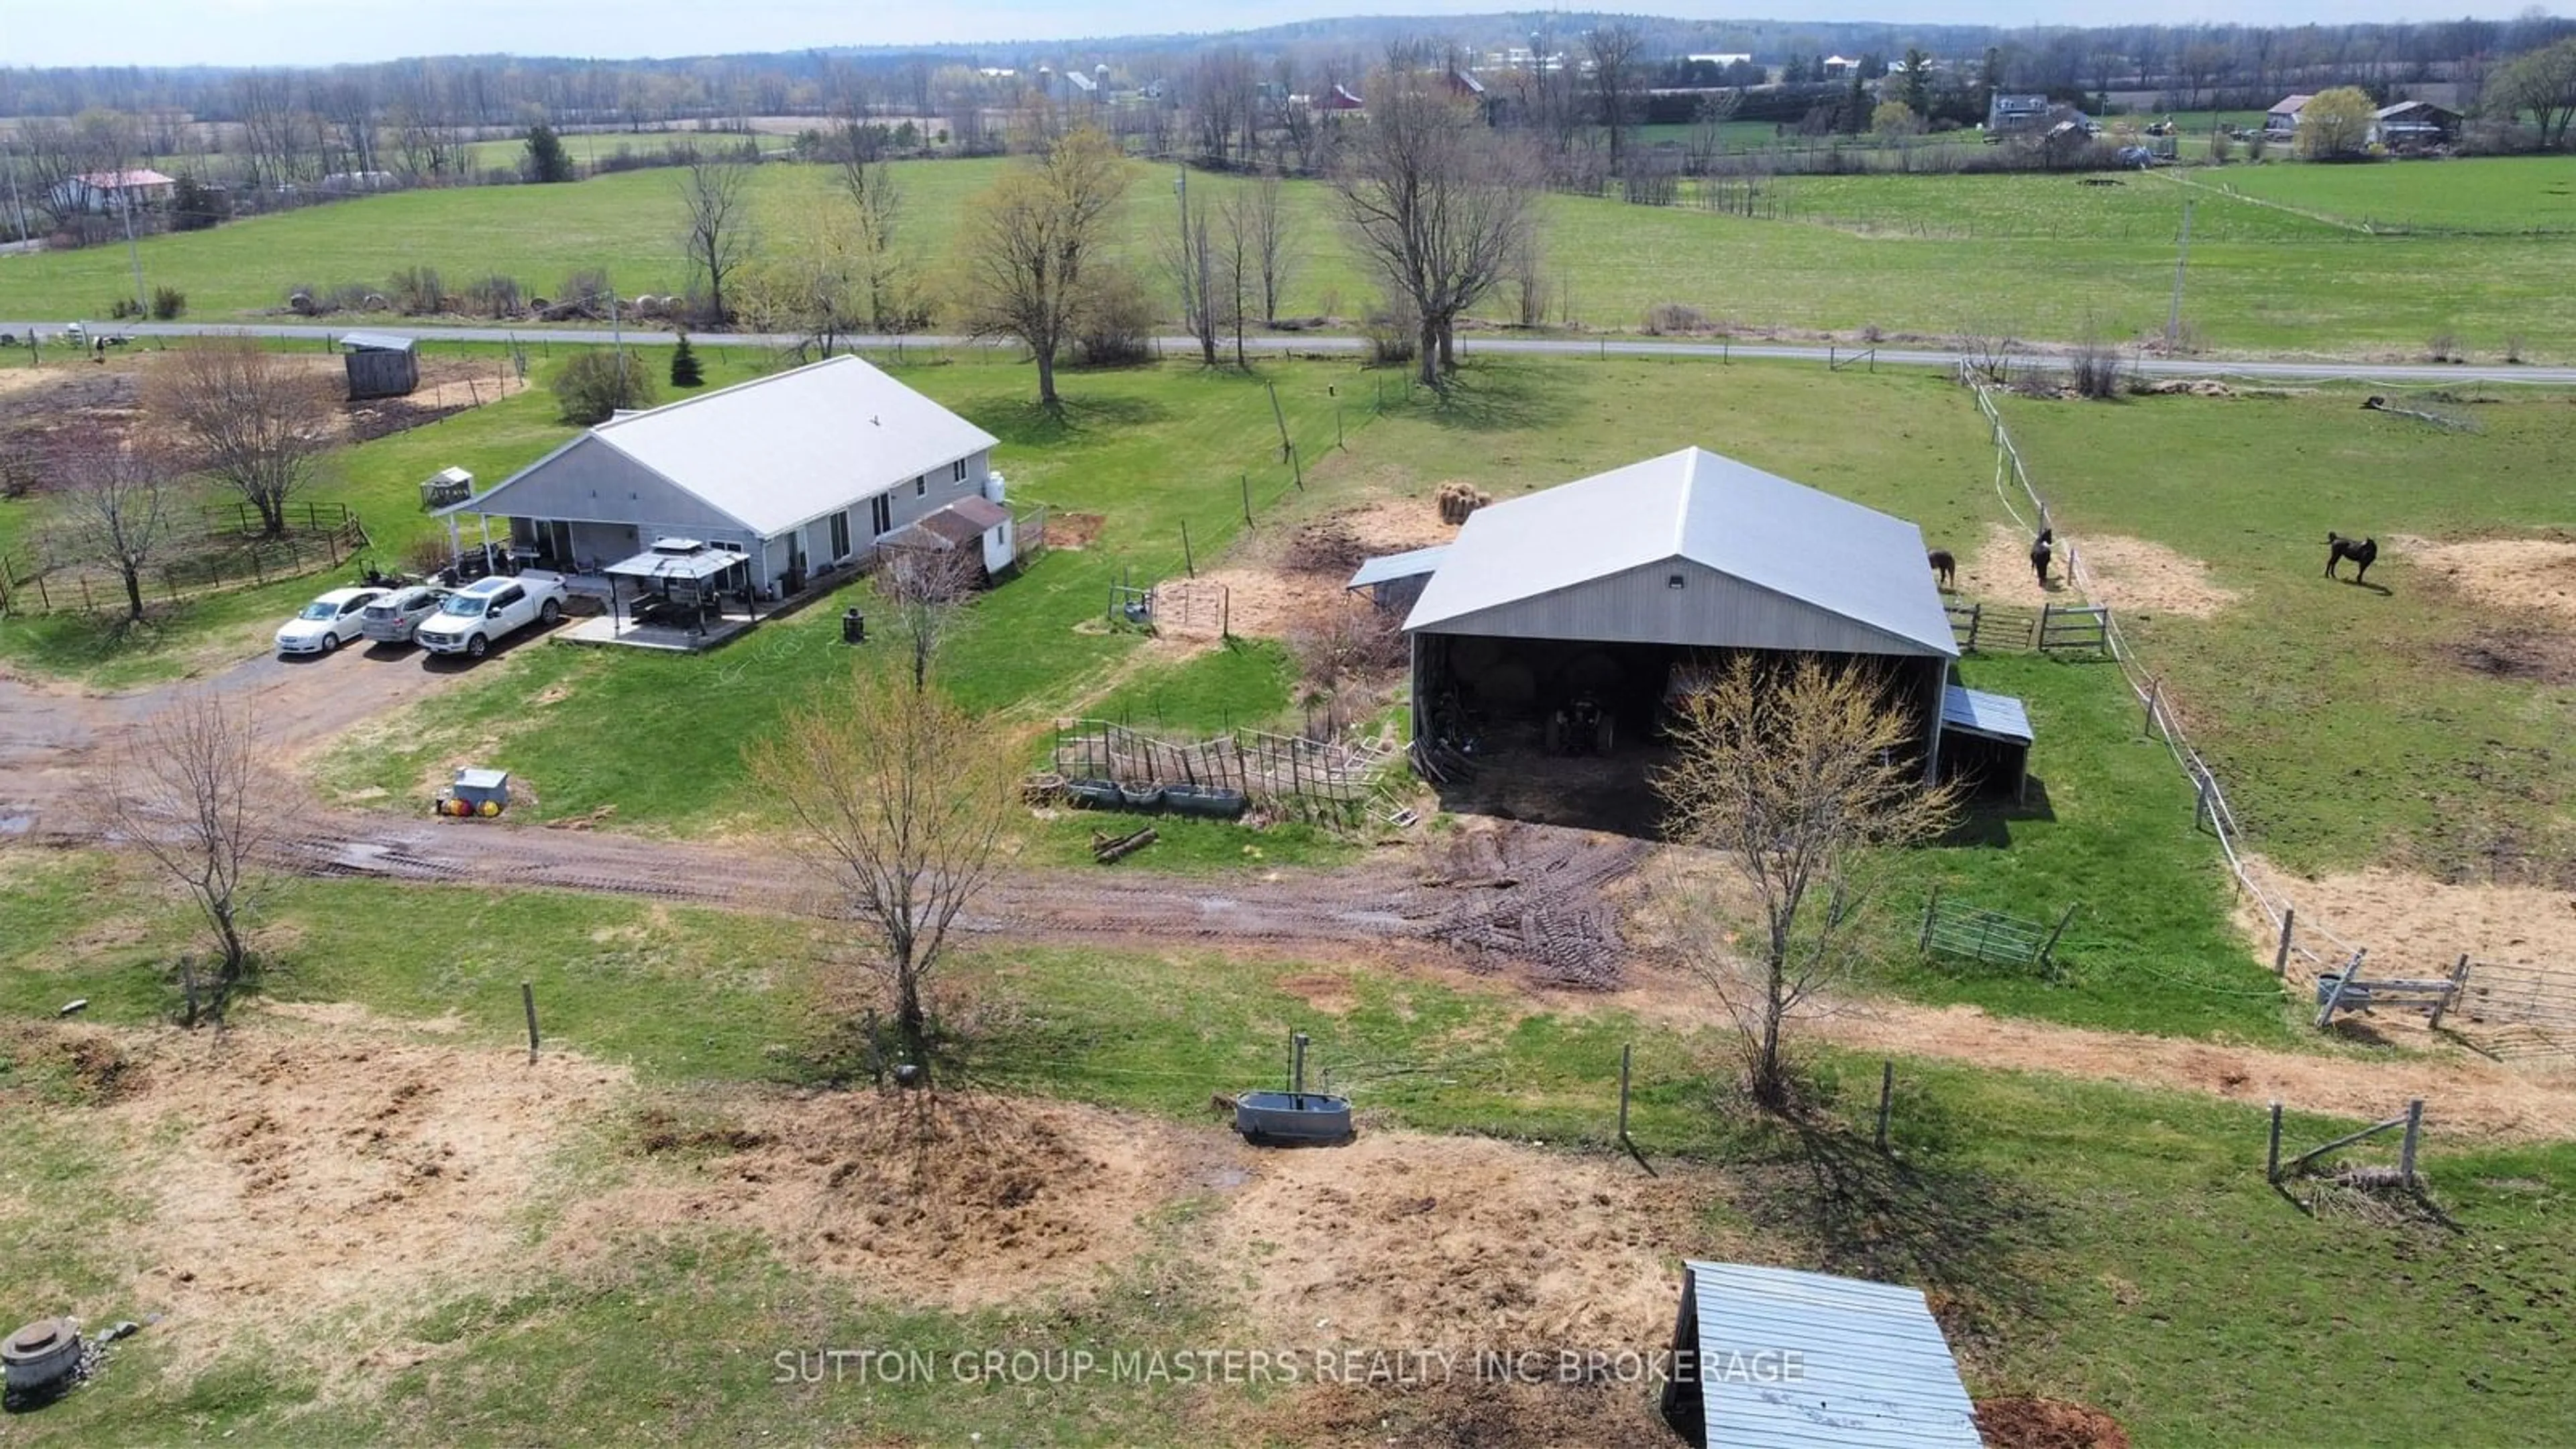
328 622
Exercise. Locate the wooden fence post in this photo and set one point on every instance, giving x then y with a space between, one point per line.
1929 907
2154 687
2459 984
1188 559
2281 956
528 1000
1625 1048
2272 1156
1886 1096
1247 500
2406 1150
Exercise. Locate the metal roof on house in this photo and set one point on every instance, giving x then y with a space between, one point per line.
375 342
1996 716
1390 567
780 450
1872 1366
1798 568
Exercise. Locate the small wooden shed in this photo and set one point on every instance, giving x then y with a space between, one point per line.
381 364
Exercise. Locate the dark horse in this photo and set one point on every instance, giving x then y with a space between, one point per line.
1944 567
2041 548
2363 554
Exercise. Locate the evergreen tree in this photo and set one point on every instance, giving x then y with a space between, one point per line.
547 160
685 371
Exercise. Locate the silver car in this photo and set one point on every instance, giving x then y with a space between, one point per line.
391 619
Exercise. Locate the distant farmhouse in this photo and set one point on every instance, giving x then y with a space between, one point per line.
2008 115
113 190
2417 123
2283 119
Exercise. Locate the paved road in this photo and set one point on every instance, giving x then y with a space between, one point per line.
2272 368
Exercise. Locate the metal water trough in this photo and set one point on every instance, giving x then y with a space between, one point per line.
40 1356
1292 1117
1296 1115
1097 794
1215 802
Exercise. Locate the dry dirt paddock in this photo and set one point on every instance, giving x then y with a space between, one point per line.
316 1181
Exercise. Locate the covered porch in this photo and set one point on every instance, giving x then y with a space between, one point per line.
680 595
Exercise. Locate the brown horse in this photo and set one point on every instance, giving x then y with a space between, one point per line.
1944 568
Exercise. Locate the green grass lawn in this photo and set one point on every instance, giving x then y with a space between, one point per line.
1932 256
2349 725
2488 196
2083 1241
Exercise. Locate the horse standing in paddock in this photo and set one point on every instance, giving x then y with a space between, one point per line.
2041 548
2363 554
1944 567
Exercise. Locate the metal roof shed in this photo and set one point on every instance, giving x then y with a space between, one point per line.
1394 581
1691 549
1997 719
379 364
1789 1358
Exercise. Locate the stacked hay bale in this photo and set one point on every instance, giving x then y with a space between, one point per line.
1457 500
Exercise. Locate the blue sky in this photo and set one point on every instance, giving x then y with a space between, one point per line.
313 32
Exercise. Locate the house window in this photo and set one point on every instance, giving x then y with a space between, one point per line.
957 471
921 486
840 535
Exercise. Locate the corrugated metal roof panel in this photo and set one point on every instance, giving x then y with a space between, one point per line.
1392 566
1998 715
779 450
1806 551
375 341
1873 1367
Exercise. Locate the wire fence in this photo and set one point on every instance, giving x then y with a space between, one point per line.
2302 933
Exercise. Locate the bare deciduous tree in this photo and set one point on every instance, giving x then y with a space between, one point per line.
876 206
1614 51
1028 244
122 502
900 799
192 790
1191 257
717 232
928 588
1804 776
256 423
1262 223
1437 204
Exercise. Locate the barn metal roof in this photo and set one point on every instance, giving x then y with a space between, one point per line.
1996 716
1872 1366
375 342
1808 569
1391 567
780 450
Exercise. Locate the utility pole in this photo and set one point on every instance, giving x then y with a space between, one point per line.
2182 256
134 255
9 164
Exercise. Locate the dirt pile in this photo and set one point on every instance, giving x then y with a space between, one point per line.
1455 1242
295 1174
2048 1424
960 1202
2130 575
2518 575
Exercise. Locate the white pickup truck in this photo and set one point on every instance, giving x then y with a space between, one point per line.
487 611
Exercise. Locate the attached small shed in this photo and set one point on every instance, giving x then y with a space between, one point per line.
1394 582
1986 740
380 364
1778 1357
